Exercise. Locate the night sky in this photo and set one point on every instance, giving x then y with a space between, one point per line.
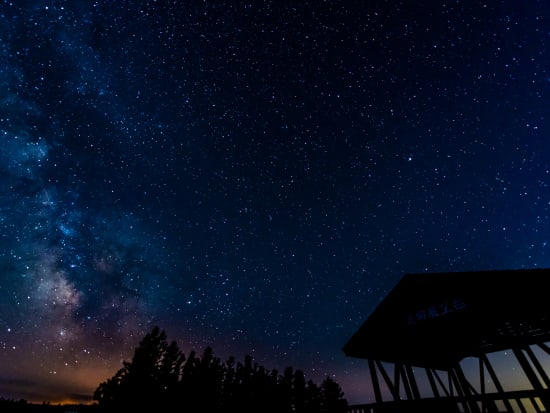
255 176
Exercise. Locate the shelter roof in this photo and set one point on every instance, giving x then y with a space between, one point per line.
437 319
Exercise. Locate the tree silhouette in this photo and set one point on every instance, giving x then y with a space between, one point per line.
149 379
332 397
160 377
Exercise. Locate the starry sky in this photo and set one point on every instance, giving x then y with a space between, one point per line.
255 176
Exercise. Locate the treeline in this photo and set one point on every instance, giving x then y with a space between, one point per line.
161 378
23 406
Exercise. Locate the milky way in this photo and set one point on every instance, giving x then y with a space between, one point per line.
254 176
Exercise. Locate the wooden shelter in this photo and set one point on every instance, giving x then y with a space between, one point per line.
433 321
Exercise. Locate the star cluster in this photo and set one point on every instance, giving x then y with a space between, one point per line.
254 176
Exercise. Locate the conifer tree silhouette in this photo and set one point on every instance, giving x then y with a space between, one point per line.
332 397
147 380
160 378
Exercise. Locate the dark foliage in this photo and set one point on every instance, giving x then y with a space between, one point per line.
160 377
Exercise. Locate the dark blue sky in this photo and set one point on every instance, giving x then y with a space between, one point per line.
255 176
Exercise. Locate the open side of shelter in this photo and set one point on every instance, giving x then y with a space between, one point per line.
431 322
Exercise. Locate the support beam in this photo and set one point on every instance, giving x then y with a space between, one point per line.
483 360
375 382
532 376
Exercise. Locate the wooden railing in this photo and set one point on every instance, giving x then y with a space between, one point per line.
523 401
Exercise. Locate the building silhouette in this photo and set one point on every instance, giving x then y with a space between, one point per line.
430 325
